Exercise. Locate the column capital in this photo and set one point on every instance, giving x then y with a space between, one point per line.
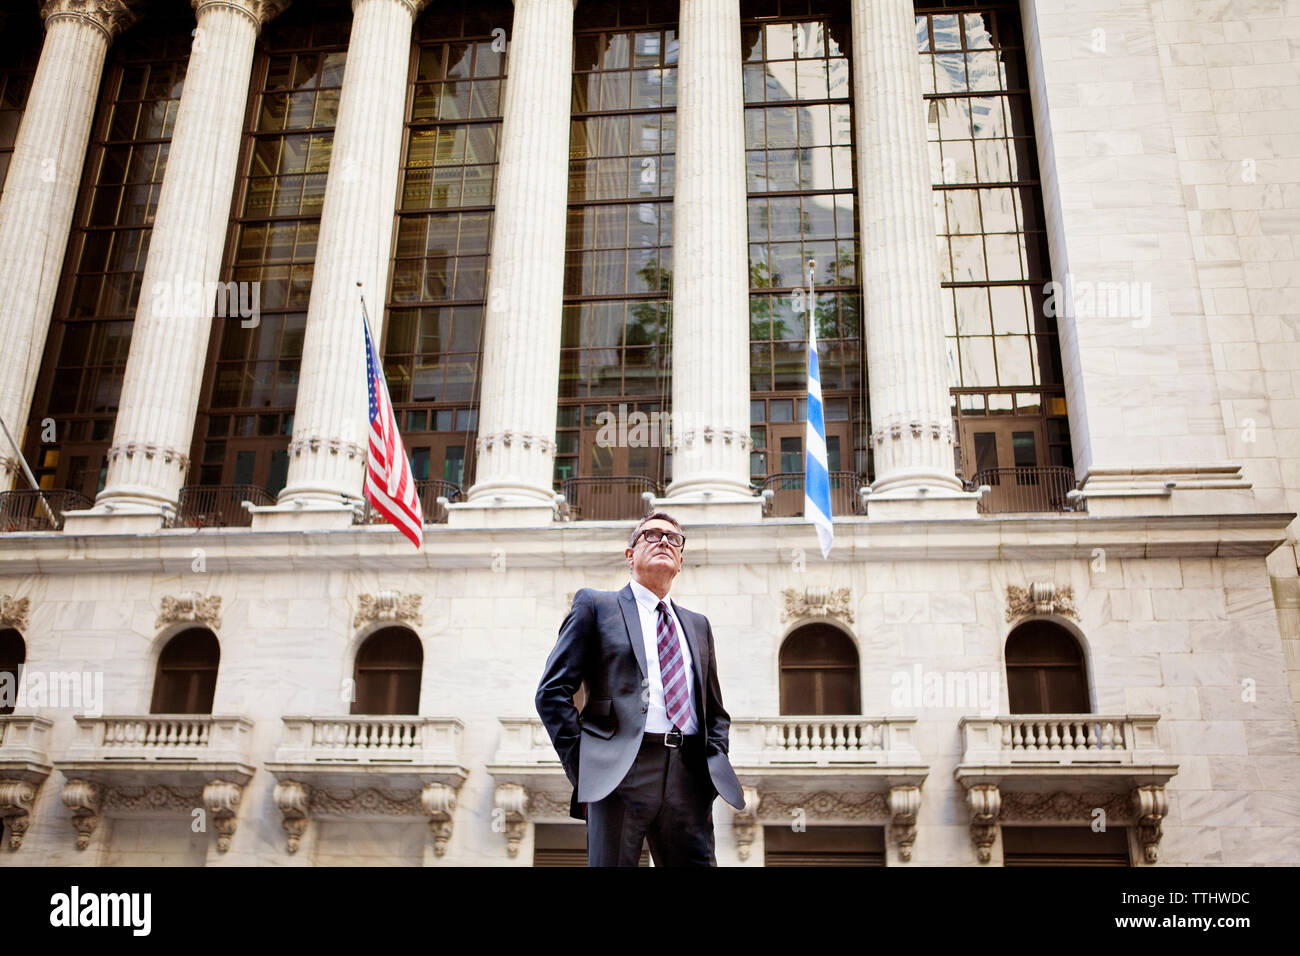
415 6
110 16
260 12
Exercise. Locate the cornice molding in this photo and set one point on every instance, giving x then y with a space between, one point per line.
598 544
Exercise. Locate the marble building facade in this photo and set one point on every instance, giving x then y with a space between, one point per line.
201 574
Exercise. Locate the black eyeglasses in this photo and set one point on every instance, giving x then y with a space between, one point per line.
654 536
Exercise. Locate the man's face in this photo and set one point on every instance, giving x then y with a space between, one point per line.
657 559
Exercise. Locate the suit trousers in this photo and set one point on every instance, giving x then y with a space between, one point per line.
666 799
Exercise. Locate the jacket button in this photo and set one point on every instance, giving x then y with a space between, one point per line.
643 710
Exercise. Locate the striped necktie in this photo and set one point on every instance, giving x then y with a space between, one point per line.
672 670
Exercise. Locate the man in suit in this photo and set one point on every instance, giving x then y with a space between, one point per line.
648 754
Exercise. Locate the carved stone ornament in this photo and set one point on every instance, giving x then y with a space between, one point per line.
111 16
14 611
260 11
824 805
1062 807
984 802
543 804
83 798
192 606
1041 597
439 802
897 808
221 800
299 802
16 798
904 802
510 804
743 823
388 606
1150 805
818 602
370 801
1146 806
157 799
294 800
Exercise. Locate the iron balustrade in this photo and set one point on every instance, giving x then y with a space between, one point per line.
609 498
787 494
1026 490
428 490
24 511
218 506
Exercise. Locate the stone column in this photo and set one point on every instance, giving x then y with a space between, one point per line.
710 415
39 195
521 352
328 453
149 456
911 419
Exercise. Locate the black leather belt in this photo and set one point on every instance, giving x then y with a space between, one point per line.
674 739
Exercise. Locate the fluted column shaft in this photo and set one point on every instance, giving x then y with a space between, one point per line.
710 335
911 421
327 455
40 192
521 353
148 460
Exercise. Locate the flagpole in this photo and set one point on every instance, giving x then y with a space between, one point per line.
817 504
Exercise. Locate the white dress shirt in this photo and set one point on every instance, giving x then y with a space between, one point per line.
656 721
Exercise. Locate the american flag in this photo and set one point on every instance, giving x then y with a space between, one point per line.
390 486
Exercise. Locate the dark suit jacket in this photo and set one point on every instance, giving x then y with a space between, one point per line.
600 643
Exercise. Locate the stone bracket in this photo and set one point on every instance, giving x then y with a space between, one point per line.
17 798
1146 804
896 808
298 802
510 806
90 801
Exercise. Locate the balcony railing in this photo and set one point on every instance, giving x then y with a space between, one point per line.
822 741
31 510
1025 490
525 743
182 738
787 494
218 506
609 498
428 491
1059 739
371 740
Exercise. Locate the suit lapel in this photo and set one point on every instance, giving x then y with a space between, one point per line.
632 619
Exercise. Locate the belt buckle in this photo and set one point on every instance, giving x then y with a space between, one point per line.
673 738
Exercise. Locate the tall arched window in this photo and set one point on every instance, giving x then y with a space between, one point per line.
819 672
1045 672
13 652
387 673
187 674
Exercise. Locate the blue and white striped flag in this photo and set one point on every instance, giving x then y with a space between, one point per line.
816 478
